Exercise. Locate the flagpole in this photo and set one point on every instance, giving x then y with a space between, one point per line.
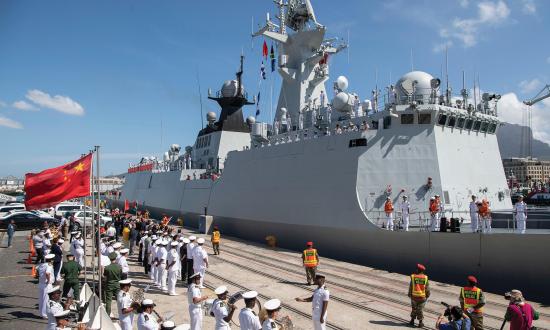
98 226
83 201
93 231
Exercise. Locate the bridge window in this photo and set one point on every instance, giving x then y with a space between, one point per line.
492 128
374 124
477 125
460 122
387 122
452 121
442 119
407 118
484 126
358 143
469 124
424 118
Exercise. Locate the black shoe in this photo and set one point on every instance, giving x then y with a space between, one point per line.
411 323
421 324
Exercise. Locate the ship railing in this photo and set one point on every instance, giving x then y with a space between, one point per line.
422 221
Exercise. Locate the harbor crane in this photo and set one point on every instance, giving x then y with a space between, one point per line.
543 94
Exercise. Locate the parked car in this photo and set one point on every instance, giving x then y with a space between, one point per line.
62 208
25 220
10 207
79 218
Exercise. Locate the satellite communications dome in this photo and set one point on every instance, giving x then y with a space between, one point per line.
418 82
343 102
229 88
250 120
211 116
342 83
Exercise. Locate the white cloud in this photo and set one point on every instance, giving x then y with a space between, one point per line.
23 105
513 111
529 7
529 86
466 30
59 103
464 3
442 46
6 122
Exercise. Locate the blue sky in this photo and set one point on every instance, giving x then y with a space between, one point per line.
74 74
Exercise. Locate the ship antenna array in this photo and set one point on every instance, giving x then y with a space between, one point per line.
448 91
200 97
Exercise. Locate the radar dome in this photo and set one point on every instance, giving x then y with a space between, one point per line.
250 120
342 102
229 88
342 83
415 82
211 116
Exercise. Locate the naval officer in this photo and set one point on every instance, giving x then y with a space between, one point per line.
319 300
124 263
272 307
46 279
124 304
200 260
405 208
223 312
190 248
194 300
247 318
55 306
474 218
173 268
145 320
520 211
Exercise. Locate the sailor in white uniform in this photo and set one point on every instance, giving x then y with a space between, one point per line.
319 300
474 216
78 249
223 312
146 321
117 246
247 318
54 306
405 208
200 260
520 211
272 307
124 304
151 255
194 300
173 268
123 263
45 283
162 256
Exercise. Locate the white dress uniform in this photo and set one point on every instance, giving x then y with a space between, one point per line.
111 232
102 248
110 249
405 207
269 324
124 301
199 265
152 257
124 264
219 308
474 219
521 216
44 286
53 308
105 261
248 320
78 251
195 310
47 246
162 255
173 256
320 295
146 321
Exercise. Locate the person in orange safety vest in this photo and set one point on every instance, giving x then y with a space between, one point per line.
310 258
388 210
419 292
472 301
215 239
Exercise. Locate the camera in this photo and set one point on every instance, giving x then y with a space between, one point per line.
447 312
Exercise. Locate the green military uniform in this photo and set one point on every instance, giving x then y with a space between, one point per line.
70 271
112 274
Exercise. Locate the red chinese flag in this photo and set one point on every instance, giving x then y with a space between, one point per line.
55 185
264 49
126 205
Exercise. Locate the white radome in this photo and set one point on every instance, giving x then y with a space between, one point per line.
250 120
211 116
342 102
229 88
421 81
342 83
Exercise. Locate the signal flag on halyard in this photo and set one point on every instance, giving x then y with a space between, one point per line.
258 105
264 49
55 185
272 56
262 71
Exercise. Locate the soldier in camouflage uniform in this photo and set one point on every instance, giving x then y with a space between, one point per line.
419 292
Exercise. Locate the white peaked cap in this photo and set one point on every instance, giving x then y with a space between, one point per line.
49 256
186 240
272 304
220 290
117 245
200 240
123 251
174 243
126 281
250 295
168 324
192 237
54 289
147 302
62 313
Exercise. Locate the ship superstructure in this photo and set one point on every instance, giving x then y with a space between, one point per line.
323 169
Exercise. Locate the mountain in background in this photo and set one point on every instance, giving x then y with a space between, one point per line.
510 142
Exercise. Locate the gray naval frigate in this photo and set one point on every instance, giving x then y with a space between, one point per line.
323 169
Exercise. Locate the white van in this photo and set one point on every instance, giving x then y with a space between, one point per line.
11 207
60 209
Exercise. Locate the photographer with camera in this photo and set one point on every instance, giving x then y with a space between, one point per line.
519 313
458 320
472 301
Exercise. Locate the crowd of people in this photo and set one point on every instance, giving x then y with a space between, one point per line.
167 256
